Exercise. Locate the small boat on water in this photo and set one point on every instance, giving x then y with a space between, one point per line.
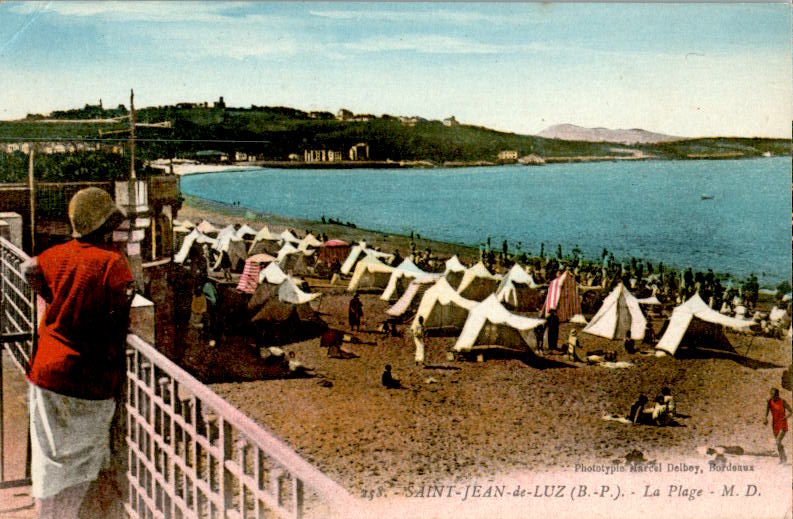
707 197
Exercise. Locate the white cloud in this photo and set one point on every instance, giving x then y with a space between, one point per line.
435 16
151 11
431 44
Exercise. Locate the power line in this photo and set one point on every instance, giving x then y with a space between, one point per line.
88 139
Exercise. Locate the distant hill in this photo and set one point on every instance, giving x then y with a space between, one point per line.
571 132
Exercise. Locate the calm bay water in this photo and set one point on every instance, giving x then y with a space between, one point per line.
647 209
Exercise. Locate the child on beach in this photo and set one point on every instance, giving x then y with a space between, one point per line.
777 407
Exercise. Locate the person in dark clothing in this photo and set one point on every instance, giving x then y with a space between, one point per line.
629 344
539 332
355 313
637 414
389 382
552 325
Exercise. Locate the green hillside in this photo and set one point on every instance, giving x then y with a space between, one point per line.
273 133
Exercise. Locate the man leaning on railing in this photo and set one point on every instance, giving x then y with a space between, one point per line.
77 366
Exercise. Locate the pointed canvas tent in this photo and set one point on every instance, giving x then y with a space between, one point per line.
249 279
264 241
183 223
400 279
309 242
286 249
272 274
206 227
289 292
478 283
299 263
454 271
519 290
288 237
563 297
619 313
443 308
229 248
370 274
194 237
245 232
412 296
358 252
693 323
490 324
652 300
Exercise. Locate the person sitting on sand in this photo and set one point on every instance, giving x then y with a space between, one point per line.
660 413
638 415
295 367
389 382
669 402
629 344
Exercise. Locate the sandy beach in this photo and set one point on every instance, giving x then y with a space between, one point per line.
466 421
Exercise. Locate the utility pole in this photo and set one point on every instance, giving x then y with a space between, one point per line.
32 187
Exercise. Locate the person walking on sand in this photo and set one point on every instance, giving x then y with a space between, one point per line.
552 325
77 367
777 407
418 340
539 331
355 313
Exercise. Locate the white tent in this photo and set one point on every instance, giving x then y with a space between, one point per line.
578 319
357 252
443 308
777 314
370 274
416 288
244 231
489 323
286 249
183 223
206 227
264 241
652 300
400 279
478 283
272 274
618 314
454 271
707 324
194 237
309 241
289 292
230 247
287 236
518 290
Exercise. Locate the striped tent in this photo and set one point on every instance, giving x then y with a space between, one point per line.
563 297
249 279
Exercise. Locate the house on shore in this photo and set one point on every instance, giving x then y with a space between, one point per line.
508 155
359 152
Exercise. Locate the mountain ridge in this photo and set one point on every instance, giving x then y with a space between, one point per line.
572 132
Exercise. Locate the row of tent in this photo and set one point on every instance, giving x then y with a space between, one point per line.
444 310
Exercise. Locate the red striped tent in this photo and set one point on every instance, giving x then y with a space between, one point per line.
333 249
249 279
563 296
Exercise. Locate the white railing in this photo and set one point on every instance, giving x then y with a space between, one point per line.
17 305
17 333
192 454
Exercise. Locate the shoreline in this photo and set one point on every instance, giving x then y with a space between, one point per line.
197 207
183 169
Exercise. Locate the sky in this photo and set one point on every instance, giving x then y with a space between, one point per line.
682 69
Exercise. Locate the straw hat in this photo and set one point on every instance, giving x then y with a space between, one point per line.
90 209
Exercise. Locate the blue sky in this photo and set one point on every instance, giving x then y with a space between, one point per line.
683 69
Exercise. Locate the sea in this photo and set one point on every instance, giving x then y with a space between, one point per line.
733 216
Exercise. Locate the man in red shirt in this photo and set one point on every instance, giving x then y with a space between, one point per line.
777 407
77 365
